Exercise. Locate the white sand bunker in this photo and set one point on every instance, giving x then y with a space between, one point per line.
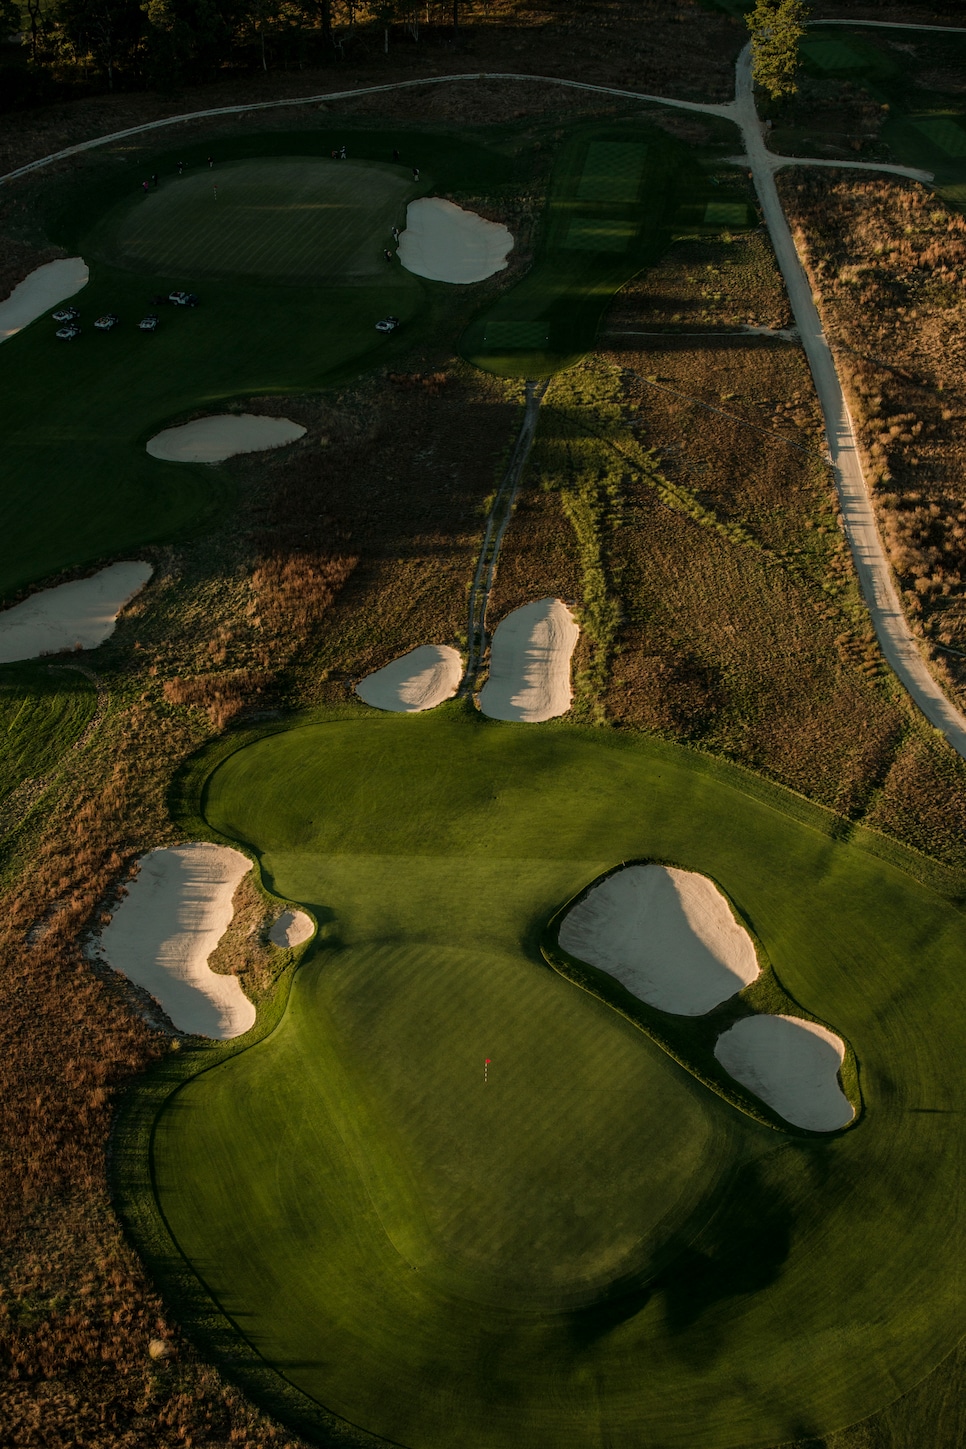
46 286
421 679
83 612
166 927
447 244
212 440
530 664
791 1064
291 929
667 935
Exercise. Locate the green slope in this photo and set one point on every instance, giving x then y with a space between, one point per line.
592 1248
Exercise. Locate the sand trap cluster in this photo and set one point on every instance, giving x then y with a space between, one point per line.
213 439
447 244
161 935
791 1064
529 676
667 935
80 613
46 286
291 929
421 679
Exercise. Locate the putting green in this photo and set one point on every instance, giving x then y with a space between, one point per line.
591 1247
293 219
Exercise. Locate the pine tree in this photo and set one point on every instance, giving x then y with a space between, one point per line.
776 28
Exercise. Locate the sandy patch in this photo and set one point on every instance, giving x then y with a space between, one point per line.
161 935
792 1065
83 612
212 440
421 679
447 244
291 929
667 935
46 286
530 663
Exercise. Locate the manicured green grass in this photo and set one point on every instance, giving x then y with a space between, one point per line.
78 485
592 1248
292 219
619 194
43 710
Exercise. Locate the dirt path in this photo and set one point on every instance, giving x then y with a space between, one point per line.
898 643
496 525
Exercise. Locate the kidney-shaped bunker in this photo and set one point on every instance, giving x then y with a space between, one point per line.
221 436
172 918
668 935
419 680
792 1064
447 244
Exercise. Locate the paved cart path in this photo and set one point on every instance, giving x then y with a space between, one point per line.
899 644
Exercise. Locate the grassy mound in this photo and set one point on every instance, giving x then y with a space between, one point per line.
43 710
619 194
593 1246
292 219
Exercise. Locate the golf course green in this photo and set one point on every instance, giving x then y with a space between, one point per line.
588 1247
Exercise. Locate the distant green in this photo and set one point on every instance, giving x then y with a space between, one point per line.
619 194
592 1248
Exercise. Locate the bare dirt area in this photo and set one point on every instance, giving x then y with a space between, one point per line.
888 261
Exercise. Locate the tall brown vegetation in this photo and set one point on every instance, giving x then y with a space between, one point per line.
888 261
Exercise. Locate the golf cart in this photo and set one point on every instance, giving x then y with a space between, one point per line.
66 314
183 299
149 323
68 333
388 324
107 323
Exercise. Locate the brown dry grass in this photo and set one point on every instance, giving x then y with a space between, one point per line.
888 260
742 629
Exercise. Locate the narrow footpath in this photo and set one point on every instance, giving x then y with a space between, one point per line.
497 520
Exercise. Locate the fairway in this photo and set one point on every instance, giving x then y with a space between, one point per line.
292 219
943 132
591 1247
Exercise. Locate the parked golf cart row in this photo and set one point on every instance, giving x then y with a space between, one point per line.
70 328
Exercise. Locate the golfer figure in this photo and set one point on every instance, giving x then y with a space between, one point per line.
144 186
387 254
395 233
180 167
210 163
154 181
343 156
395 156
415 173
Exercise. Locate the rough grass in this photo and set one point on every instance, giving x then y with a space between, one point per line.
43 711
408 844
